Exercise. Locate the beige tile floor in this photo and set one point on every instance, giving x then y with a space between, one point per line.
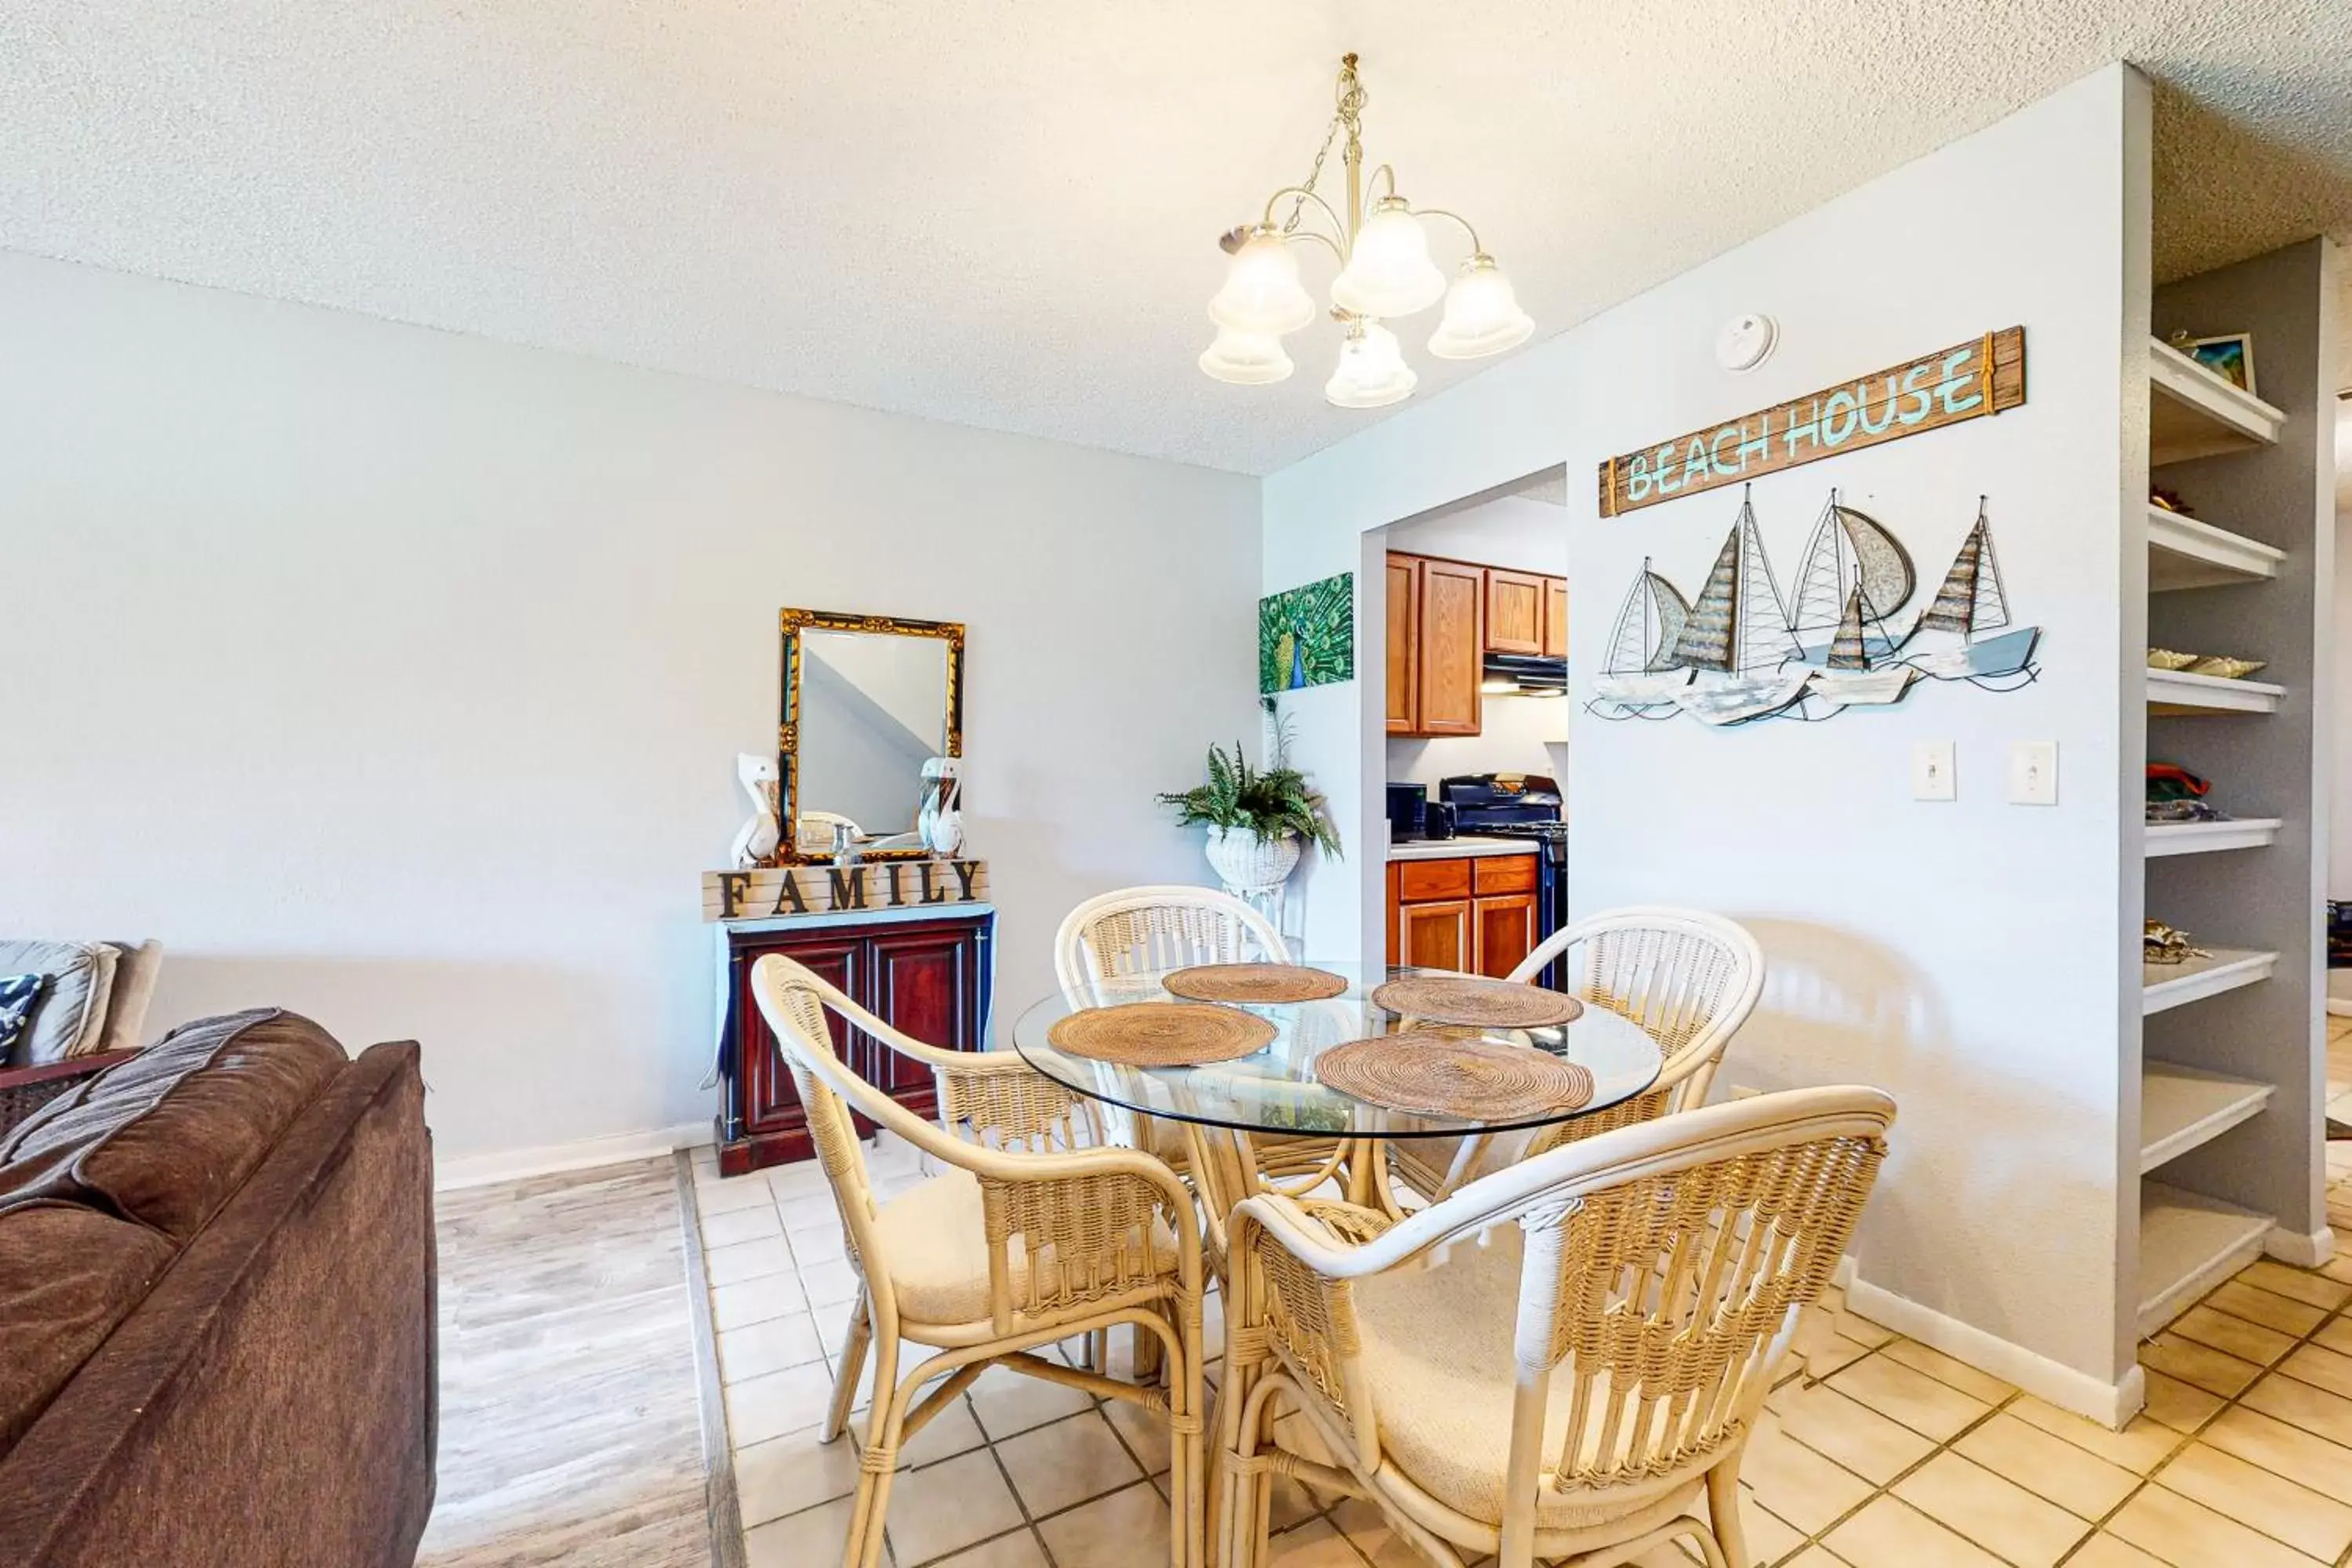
1881 1454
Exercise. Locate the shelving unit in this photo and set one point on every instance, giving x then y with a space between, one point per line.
2205 837
2168 985
2192 413
2176 694
2183 553
2217 1077
2187 1244
2183 1108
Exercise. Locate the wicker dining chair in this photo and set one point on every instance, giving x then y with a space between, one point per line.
1570 1385
1031 1233
1687 977
1109 942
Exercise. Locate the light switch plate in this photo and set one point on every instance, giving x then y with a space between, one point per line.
1931 771
2033 773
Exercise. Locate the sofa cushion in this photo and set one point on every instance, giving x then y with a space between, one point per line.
68 1275
167 1136
71 1019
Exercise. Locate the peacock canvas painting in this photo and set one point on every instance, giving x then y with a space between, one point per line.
1307 635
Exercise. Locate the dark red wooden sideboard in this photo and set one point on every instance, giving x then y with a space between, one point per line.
928 976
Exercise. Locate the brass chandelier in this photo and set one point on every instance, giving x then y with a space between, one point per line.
1385 274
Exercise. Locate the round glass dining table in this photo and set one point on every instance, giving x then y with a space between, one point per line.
1275 1092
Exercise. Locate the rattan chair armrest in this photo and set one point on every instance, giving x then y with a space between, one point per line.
1564 1175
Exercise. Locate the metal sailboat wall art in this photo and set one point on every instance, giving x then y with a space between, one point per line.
1640 676
1972 602
1737 639
1741 653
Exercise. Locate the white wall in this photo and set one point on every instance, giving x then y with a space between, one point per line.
397 677
1515 734
1965 955
1510 531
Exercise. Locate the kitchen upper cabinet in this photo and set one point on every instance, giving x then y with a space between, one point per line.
1515 612
1436 632
1452 647
1555 618
1404 644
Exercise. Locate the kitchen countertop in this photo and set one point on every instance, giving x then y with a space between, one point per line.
1467 845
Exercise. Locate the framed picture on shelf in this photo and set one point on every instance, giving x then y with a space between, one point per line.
2230 356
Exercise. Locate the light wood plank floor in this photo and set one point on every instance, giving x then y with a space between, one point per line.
570 1417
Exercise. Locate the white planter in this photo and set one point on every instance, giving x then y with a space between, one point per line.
1242 860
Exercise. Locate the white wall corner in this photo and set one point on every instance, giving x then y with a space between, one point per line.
550 1159
2109 1404
2302 1251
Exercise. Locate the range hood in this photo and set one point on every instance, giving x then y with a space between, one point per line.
1524 674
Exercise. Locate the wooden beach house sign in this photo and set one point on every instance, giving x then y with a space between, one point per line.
1983 375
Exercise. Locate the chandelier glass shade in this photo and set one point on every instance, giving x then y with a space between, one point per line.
1246 359
1372 372
1381 243
1482 314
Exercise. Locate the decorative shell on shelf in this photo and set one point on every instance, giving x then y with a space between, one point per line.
2223 665
2165 659
2161 943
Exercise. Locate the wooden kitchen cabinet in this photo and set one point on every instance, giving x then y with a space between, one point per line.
1515 611
1555 618
1404 644
1474 913
929 978
1437 643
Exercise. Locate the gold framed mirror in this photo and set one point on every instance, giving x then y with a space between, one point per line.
867 700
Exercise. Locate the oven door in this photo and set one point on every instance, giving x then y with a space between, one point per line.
1551 913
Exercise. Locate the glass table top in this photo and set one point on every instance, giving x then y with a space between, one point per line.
1275 1091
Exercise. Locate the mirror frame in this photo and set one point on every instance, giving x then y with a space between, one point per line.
787 730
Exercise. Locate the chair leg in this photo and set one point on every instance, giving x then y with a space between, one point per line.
853 1363
878 1461
1723 1513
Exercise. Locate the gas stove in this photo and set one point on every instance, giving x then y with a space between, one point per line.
1521 805
1552 835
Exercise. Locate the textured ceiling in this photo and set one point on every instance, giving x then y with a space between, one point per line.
1003 214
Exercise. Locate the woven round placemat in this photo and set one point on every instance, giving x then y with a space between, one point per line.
1161 1034
1437 1075
1254 982
1467 999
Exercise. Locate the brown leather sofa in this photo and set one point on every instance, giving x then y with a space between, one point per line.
217 1308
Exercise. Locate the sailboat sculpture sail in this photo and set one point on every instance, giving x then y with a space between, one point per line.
1739 634
1641 673
1853 578
1972 602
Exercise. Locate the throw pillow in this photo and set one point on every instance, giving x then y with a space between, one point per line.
72 1020
19 995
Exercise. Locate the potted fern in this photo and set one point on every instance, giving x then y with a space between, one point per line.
1255 819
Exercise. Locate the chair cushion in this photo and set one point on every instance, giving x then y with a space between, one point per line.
71 1019
68 1275
935 1237
167 1137
1437 1354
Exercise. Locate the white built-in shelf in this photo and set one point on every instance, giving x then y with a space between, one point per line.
2187 1244
2181 1107
2204 838
2173 693
2164 985
2183 553
2192 413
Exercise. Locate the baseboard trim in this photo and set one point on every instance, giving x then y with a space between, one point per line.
2110 1404
2303 1251
550 1159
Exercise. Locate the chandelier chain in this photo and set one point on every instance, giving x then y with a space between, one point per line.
1299 200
